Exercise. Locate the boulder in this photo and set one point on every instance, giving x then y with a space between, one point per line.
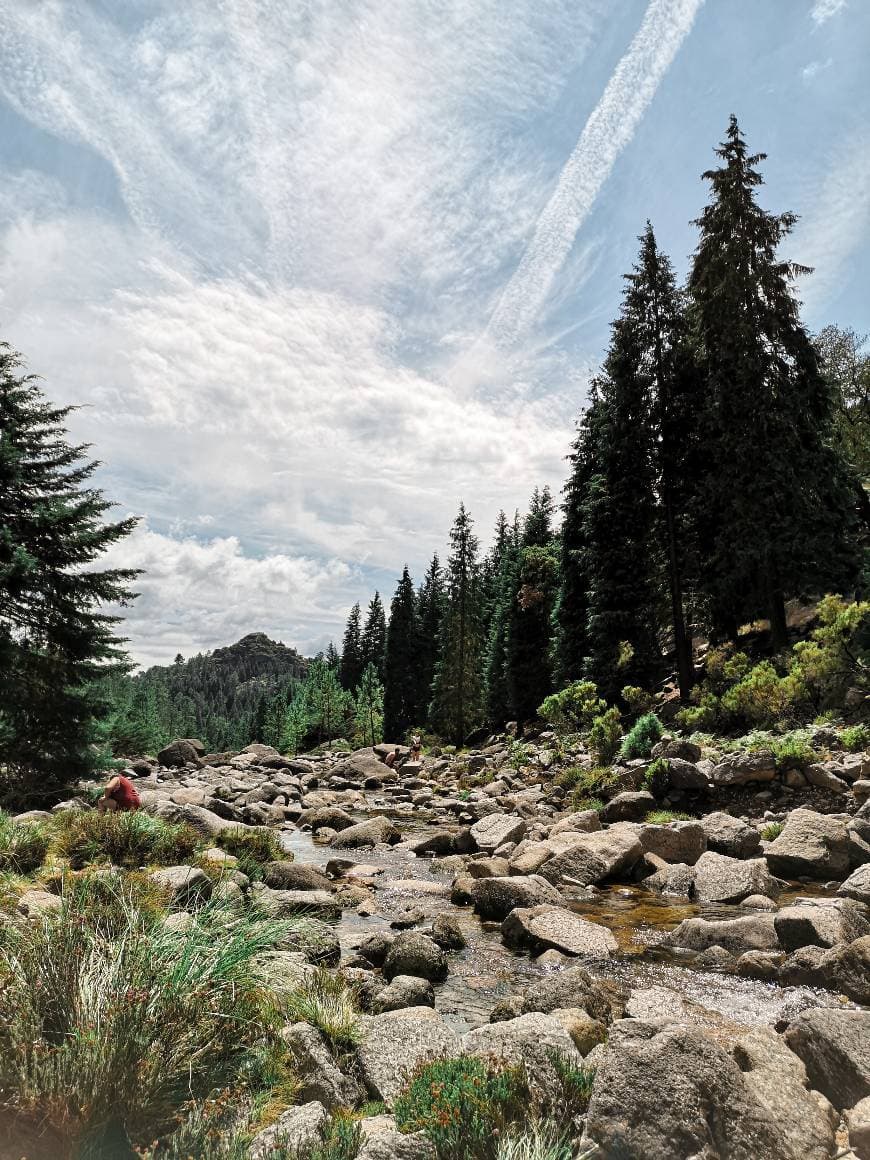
630 806
372 832
528 1041
38 903
187 886
824 777
743 768
296 1131
675 841
495 898
447 933
540 928
381 1140
857 885
415 954
673 878
719 878
328 817
822 922
435 842
294 876
580 822
315 1068
811 845
403 991
574 987
684 774
673 1093
315 939
858 1124
204 821
727 835
181 752
287 903
834 1045
594 857
755 932
846 968
394 1045
496 829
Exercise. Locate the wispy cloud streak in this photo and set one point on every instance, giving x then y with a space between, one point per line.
609 129
823 10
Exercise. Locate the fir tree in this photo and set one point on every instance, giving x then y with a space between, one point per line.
374 636
535 584
352 664
497 697
776 495
431 601
332 658
296 724
457 699
56 642
369 707
401 705
326 702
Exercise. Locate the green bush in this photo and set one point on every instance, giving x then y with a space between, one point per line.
586 781
793 750
772 831
637 701
463 1105
605 736
575 1084
131 838
108 1033
657 777
573 709
327 1002
582 802
642 736
696 718
23 845
855 738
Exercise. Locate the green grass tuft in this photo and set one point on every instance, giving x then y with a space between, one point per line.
327 1002
132 838
23 845
772 831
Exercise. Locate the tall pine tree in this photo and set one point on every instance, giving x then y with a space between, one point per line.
776 494
374 636
528 657
457 698
56 640
504 593
401 705
352 663
431 602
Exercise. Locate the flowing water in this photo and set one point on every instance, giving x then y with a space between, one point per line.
486 970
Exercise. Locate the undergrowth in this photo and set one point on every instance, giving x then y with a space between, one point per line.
131 838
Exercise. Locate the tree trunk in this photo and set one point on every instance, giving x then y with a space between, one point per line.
778 625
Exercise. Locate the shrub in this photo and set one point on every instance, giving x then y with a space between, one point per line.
104 1035
637 701
657 777
837 656
696 718
132 838
573 709
463 1105
772 831
855 738
586 781
575 1083
605 735
793 750
326 1002
586 803
23 845
518 755
342 1142
642 736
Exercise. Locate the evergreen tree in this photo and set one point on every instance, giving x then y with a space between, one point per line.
497 697
296 723
401 705
326 702
369 707
530 610
56 642
845 362
431 601
777 496
457 698
332 658
491 568
374 637
352 663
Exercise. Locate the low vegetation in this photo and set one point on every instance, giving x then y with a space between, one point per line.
23 845
326 1002
123 839
642 736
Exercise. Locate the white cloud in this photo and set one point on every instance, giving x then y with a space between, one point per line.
822 11
609 129
815 67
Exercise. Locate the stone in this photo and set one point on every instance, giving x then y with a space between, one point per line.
574 987
288 903
846 968
495 898
381 1140
187 886
758 902
731 836
488 868
394 1045
630 806
858 1125
586 1033
671 878
375 947
834 1045
674 842
754 932
447 933
684 774
294 876
438 842
580 822
857 885
763 965
494 830
743 768
825 778
811 845
316 939
415 954
319 1078
373 832
403 991
672 1093
823 922
593 857
861 790
296 1130
720 878
37 903
181 752
528 1041
329 817
541 927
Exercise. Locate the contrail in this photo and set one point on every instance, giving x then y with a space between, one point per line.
609 129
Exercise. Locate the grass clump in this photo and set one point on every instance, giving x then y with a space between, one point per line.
107 1031
855 738
657 776
463 1105
252 848
132 838
539 1142
23 845
586 803
575 1084
662 817
772 831
327 1002
642 736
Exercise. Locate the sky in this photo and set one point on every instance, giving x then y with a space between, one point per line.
316 271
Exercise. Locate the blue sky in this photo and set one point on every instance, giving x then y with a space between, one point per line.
320 270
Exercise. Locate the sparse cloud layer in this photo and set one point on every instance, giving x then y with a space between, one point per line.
308 268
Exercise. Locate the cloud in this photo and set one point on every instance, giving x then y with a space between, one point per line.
609 129
815 67
822 11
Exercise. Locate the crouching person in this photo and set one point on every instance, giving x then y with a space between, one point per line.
119 794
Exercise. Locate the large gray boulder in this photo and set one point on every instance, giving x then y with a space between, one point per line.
187 886
415 954
574 987
495 898
719 878
755 932
811 845
822 922
297 1130
629 806
204 821
381 1140
288 903
314 938
857 885
834 1045
181 752
846 968
858 1123
743 768
496 830
403 991
372 832
540 928
394 1045
294 876
731 836
325 817
315 1069
684 774
528 1041
594 857
674 842
671 1093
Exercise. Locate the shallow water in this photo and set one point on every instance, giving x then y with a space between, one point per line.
486 970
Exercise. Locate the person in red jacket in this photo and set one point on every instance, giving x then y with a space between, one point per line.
119 794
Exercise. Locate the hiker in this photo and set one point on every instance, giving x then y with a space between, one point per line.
416 748
391 758
119 794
